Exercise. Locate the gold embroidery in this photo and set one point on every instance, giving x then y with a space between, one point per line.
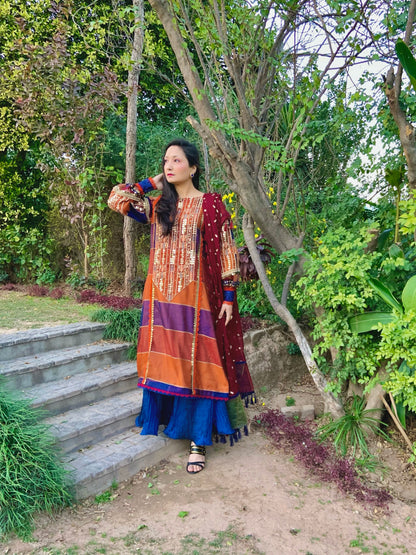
176 260
151 320
229 254
196 325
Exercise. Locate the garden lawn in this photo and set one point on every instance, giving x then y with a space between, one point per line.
19 311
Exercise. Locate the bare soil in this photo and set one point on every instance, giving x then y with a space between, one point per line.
251 498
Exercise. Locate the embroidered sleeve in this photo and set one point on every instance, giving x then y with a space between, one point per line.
229 263
130 200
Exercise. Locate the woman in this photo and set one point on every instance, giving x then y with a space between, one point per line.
190 356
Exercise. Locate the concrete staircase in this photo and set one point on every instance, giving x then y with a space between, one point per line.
90 393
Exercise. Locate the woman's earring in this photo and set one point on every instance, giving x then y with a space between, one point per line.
192 174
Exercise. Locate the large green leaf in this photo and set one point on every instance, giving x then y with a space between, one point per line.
409 294
385 293
401 413
395 251
407 60
362 323
383 238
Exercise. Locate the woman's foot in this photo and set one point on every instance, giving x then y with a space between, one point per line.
196 461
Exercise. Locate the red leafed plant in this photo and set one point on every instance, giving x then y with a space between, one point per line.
247 268
320 458
108 301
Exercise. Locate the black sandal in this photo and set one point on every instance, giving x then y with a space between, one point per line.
196 450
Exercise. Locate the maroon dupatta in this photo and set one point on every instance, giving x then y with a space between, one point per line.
230 337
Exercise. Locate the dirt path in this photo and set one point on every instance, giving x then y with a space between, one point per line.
251 498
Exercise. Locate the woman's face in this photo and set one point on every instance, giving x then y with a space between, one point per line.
176 166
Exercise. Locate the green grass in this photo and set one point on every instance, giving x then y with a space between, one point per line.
20 311
32 478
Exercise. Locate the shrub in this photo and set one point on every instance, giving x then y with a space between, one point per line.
109 301
9 287
31 476
122 325
249 323
351 430
38 290
320 458
56 293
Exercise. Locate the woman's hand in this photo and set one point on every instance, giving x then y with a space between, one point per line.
227 311
158 179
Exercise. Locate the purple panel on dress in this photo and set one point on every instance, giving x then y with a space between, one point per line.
178 317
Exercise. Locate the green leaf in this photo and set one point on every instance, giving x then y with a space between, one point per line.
183 514
383 238
362 323
407 60
395 251
394 177
385 293
409 294
405 369
401 413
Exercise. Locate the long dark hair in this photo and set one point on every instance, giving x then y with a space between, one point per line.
166 207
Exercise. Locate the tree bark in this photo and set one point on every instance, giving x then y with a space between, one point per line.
393 86
243 176
130 227
331 403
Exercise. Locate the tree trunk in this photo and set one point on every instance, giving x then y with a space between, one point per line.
393 87
331 403
376 395
130 227
243 177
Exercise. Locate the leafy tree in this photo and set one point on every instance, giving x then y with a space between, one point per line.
257 75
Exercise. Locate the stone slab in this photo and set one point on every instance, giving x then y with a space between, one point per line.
54 365
94 470
90 424
30 342
81 389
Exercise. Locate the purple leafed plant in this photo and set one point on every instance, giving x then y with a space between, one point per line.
36 290
108 301
57 293
250 323
9 287
320 458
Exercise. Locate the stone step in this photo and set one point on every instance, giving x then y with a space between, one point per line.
85 388
80 428
32 342
28 371
91 394
117 459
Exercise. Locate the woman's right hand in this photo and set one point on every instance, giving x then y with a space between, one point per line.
158 179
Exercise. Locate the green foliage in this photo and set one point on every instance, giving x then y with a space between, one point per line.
335 287
407 60
106 496
253 301
293 349
25 254
407 219
349 432
397 341
122 325
32 477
